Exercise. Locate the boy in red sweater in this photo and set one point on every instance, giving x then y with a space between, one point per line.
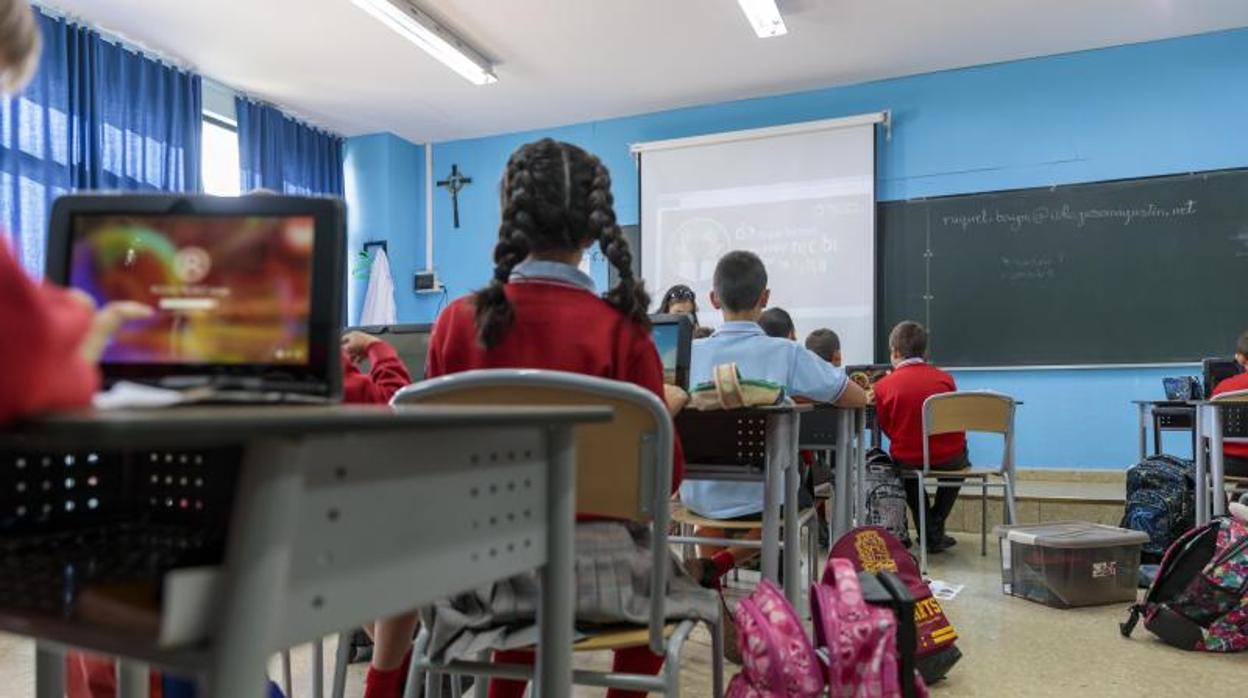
1236 454
899 398
540 311
386 372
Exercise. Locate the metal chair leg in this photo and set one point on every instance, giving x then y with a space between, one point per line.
983 520
288 683
318 668
342 657
1011 508
717 657
415 675
922 526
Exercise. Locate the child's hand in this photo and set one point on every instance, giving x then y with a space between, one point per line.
106 322
675 398
356 344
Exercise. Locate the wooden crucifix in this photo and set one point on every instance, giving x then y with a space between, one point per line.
454 184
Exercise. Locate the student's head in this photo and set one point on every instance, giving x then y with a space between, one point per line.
19 44
908 340
740 286
1241 349
826 345
680 300
776 322
556 202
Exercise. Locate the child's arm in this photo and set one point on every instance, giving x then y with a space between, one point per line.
386 375
42 330
815 379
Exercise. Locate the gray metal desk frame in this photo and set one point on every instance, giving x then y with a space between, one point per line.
780 475
302 556
1148 407
1211 487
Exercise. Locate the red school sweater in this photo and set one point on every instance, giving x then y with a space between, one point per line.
386 376
1239 382
557 327
899 400
41 329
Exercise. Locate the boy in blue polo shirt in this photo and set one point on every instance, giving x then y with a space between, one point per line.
740 292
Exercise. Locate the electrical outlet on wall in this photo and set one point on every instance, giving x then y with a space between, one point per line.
426 282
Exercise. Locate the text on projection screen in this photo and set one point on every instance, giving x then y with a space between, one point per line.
805 203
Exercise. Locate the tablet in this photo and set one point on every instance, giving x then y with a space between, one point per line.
247 291
673 337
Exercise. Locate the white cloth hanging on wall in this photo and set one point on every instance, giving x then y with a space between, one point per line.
379 299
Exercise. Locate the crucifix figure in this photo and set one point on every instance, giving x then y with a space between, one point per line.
454 184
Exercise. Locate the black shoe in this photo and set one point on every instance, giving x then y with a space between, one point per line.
948 541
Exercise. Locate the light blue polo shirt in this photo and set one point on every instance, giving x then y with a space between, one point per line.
759 357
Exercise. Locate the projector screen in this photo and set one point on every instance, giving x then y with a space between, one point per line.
802 197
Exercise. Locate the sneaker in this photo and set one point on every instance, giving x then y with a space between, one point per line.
948 541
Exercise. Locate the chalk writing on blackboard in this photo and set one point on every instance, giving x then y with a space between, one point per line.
1067 214
1030 268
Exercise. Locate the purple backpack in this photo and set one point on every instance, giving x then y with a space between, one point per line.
1199 600
778 659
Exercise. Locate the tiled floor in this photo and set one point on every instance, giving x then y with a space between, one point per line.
1012 647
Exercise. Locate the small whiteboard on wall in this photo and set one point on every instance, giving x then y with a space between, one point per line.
801 196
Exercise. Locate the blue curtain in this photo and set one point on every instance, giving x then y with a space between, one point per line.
96 116
279 153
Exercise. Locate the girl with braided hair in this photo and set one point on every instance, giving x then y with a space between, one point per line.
540 311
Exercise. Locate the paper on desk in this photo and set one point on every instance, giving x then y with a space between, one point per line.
188 604
945 591
125 394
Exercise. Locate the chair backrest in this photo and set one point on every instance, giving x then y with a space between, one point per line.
968 411
624 466
978 410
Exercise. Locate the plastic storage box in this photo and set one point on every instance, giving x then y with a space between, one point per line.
1070 563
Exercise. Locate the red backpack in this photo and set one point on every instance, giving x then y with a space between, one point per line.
874 549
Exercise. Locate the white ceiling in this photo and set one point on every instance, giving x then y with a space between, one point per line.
566 61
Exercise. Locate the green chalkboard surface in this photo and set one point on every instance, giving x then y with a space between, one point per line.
1132 271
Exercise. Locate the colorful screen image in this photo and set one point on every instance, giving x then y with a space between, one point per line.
225 289
667 341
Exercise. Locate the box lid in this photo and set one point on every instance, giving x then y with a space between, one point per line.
1070 534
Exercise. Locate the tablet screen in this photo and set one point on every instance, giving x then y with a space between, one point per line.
227 290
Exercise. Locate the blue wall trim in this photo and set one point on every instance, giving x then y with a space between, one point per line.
1146 109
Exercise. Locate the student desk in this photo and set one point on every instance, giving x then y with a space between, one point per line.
1211 421
1165 415
780 475
303 552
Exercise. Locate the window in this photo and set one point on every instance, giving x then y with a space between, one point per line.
221 172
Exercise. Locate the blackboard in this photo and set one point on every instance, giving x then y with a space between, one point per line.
1131 271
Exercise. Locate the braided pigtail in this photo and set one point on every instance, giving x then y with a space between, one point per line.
629 295
494 314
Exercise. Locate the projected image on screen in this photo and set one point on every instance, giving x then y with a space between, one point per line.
226 289
804 203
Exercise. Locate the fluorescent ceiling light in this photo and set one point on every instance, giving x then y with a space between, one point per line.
415 25
764 16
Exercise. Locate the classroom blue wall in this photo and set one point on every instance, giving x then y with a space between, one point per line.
384 179
1147 109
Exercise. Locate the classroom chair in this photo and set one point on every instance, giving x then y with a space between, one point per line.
733 445
968 411
624 471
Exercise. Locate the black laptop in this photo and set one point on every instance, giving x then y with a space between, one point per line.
247 291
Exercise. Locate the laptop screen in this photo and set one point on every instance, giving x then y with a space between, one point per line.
673 335
227 289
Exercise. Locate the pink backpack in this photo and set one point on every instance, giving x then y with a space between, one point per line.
860 639
778 659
